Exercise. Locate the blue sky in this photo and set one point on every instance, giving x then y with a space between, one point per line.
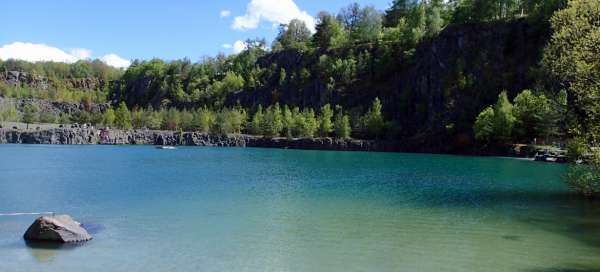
145 29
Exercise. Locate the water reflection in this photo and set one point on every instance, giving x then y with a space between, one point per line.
44 252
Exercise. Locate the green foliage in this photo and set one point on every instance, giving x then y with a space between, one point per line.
272 121
139 118
342 124
585 178
572 59
288 122
204 120
171 119
577 148
326 125
187 120
373 121
484 125
363 23
109 117
30 114
504 119
532 113
230 121
8 113
123 117
329 33
256 127
294 35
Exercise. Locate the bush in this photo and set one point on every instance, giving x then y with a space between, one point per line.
585 178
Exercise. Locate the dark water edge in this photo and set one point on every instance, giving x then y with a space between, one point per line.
92 136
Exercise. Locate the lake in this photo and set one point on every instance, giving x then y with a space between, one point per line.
235 209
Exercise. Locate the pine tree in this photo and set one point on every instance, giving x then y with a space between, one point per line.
256 123
325 122
342 124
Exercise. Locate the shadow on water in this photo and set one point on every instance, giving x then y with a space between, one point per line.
44 252
562 213
566 269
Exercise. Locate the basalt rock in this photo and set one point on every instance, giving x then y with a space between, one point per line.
58 229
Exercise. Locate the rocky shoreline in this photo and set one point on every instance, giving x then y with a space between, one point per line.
93 136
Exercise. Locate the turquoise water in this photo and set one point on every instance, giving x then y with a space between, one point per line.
230 209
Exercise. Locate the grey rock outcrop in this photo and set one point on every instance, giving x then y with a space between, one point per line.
92 136
57 228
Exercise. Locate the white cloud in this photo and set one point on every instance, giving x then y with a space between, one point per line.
273 11
40 52
34 52
225 13
227 46
239 46
81 53
115 61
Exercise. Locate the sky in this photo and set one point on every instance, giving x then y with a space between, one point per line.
118 31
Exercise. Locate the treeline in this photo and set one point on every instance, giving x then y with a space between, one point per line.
60 80
57 71
274 121
54 94
359 45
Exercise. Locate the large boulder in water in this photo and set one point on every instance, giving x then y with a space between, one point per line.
57 228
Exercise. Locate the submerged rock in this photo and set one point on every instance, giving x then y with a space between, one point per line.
57 228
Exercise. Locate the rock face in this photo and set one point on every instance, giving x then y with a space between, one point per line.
92 136
18 78
57 228
45 106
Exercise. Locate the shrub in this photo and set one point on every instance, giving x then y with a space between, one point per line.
585 178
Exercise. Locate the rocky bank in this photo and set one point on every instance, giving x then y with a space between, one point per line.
93 136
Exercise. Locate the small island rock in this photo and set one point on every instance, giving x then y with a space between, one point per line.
57 228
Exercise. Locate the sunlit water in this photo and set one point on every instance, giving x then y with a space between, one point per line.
229 209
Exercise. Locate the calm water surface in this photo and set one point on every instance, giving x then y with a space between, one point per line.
209 209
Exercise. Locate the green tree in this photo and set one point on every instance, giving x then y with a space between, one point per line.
139 118
230 121
288 122
504 119
154 119
572 59
585 178
294 35
171 119
187 120
484 125
310 123
374 121
400 9
343 129
272 122
326 126
123 117
30 114
204 120
9 112
435 21
109 117
256 127
531 115
329 33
